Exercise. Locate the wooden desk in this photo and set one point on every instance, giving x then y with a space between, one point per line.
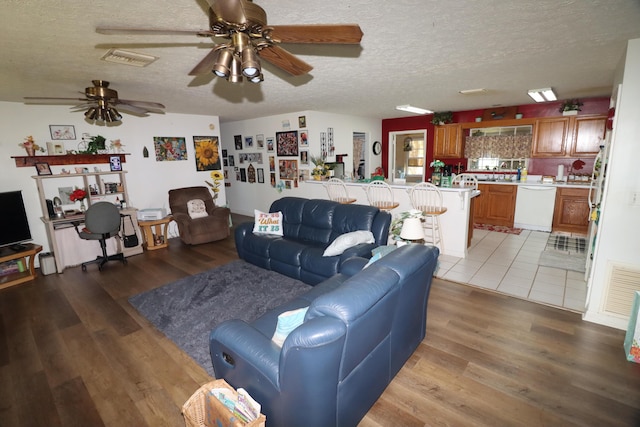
155 232
28 258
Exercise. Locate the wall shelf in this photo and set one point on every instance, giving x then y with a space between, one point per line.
67 159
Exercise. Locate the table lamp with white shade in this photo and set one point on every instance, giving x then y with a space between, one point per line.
412 230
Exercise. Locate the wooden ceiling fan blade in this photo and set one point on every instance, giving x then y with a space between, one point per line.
321 33
206 65
285 60
132 108
44 98
141 104
152 31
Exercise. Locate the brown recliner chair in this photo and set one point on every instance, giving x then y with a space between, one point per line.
194 231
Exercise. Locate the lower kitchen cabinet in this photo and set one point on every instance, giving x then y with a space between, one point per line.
571 212
495 205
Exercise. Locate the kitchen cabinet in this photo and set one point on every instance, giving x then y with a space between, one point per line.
447 141
571 212
575 136
495 205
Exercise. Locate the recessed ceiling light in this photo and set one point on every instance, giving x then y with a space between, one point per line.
120 56
415 110
473 91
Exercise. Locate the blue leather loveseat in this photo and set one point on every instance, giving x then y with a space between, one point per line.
360 328
309 226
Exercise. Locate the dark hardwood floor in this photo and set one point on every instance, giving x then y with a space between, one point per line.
73 352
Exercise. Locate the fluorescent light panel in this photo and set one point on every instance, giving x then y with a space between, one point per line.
472 91
412 109
542 95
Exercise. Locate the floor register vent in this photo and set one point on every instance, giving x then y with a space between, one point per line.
623 282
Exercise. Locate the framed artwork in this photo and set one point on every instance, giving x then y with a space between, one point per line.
114 163
272 163
207 153
288 169
287 143
225 161
64 132
55 148
304 157
224 153
170 148
302 121
232 161
270 145
43 168
260 141
272 178
248 142
304 174
243 175
237 140
63 193
260 175
304 138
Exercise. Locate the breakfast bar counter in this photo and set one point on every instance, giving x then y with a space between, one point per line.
455 222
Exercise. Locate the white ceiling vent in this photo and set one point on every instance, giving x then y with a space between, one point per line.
126 57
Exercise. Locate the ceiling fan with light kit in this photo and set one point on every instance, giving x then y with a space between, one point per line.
244 25
101 102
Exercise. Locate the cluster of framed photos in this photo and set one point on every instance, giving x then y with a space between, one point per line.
291 147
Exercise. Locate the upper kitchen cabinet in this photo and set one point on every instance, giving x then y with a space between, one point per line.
588 133
550 136
575 136
447 141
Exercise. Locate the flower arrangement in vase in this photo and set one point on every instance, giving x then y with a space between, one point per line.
321 169
442 118
436 176
217 177
30 146
78 195
570 107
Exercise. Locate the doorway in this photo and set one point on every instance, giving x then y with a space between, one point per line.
407 156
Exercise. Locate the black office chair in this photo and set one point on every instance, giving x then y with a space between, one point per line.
102 221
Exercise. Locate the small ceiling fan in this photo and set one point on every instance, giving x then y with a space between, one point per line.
101 102
244 24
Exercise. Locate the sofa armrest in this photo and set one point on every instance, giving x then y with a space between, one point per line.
219 211
242 354
353 266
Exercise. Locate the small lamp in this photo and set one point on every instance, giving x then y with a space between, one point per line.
412 230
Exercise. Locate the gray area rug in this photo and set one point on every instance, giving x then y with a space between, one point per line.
564 252
186 310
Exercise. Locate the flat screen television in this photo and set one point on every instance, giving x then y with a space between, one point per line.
14 227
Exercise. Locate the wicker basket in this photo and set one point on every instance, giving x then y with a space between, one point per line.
204 410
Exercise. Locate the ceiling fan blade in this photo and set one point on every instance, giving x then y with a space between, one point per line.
44 98
131 108
152 31
141 104
330 34
206 65
285 60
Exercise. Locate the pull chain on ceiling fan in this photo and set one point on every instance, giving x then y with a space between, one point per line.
244 24
101 102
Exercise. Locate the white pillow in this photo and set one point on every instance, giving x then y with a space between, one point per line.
287 322
197 208
348 240
268 223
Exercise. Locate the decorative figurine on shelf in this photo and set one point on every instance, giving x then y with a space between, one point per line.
116 146
78 195
30 146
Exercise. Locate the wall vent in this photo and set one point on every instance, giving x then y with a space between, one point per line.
126 57
622 284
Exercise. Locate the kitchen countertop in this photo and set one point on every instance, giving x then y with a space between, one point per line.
533 180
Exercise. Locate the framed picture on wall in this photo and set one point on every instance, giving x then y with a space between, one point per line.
287 143
260 175
43 168
64 132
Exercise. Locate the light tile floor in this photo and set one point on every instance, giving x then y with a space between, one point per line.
508 263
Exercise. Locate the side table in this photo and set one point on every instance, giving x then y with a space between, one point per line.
155 232
27 255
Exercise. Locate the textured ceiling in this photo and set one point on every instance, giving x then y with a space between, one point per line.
418 52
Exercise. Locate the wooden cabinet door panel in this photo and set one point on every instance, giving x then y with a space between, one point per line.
549 137
588 134
447 141
571 211
502 205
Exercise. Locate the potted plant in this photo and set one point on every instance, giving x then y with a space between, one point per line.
321 169
442 118
96 144
436 176
570 107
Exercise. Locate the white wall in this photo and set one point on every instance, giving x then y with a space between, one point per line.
244 197
619 229
148 181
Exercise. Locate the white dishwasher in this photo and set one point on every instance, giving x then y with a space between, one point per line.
534 207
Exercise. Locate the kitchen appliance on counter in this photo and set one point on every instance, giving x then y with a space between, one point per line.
534 207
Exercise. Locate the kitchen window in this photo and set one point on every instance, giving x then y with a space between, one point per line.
498 149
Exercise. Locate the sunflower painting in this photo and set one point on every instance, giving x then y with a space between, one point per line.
207 153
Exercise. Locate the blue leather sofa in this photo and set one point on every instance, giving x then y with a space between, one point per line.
309 226
361 327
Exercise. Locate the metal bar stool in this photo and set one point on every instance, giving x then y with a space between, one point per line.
427 198
380 195
337 191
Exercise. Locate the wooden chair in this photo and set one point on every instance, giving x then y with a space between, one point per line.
380 195
427 198
337 191
465 180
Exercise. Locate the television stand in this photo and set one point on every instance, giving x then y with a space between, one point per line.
18 247
27 255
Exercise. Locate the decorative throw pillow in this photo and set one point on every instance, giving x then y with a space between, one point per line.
348 240
379 252
268 223
287 322
197 208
